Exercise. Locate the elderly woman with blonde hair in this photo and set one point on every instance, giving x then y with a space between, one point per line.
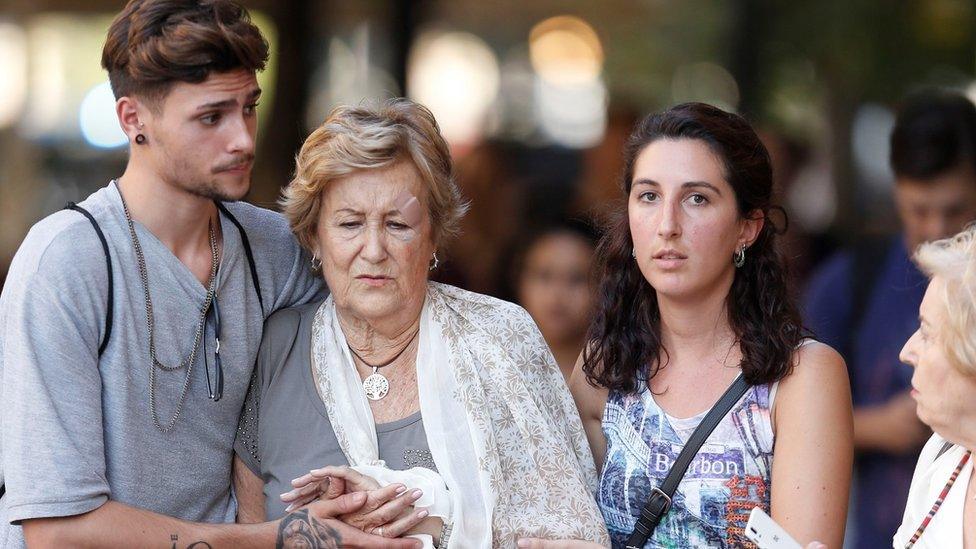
444 406
941 509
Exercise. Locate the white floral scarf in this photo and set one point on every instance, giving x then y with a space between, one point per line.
501 424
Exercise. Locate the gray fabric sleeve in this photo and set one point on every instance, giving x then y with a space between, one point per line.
53 447
246 443
280 332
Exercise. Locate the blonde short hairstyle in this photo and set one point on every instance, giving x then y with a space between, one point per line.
954 260
371 137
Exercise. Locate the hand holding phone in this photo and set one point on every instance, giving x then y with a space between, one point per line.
766 534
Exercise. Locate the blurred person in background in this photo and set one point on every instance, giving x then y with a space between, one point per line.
552 280
488 179
941 509
865 302
693 301
802 248
396 383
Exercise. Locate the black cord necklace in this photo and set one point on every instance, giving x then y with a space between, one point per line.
376 385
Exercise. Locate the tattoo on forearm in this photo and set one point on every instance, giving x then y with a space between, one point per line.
195 545
298 530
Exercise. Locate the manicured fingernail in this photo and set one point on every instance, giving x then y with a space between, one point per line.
290 508
401 489
288 495
523 543
423 513
416 493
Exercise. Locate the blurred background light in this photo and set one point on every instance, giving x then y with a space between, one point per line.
456 75
570 95
870 143
971 91
516 117
706 83
48 76
574 116
565 50
349 75
13 85
97 119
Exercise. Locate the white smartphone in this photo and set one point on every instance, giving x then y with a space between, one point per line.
766 534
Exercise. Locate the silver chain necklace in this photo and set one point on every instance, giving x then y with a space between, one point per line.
150 321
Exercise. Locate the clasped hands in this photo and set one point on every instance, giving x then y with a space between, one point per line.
388 511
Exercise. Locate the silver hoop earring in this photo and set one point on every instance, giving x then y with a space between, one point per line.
434 263
316 263
633 253
739 256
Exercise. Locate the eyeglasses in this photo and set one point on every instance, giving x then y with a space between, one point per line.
216 387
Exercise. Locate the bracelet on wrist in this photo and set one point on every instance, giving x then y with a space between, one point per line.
445 536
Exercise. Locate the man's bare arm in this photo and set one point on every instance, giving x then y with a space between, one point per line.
249 489
890 427
115 524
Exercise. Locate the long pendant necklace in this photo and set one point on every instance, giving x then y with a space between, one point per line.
376 386
150 320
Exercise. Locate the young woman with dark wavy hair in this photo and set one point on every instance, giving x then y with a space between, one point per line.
692 295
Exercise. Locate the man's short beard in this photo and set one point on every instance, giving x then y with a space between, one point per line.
211 191
181 175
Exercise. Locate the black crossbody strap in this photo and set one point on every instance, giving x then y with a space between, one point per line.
247 252
108 263
660 500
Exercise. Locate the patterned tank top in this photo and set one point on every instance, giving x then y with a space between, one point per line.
729 476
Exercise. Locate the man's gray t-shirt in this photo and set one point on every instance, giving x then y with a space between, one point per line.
75 429
285 429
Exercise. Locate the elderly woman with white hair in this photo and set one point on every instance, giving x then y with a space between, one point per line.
434 400
941 509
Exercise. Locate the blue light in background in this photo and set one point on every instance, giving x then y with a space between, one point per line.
97 119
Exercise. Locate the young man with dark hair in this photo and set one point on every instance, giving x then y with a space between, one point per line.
865 302
129 327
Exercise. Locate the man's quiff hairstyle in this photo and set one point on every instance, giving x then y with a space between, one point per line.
954 260
153 44
373 137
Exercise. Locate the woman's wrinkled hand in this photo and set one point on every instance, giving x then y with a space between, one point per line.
326 483
388 511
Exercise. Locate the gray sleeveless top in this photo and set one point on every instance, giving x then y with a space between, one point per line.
285 430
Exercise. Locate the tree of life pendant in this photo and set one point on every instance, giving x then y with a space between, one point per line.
376 386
